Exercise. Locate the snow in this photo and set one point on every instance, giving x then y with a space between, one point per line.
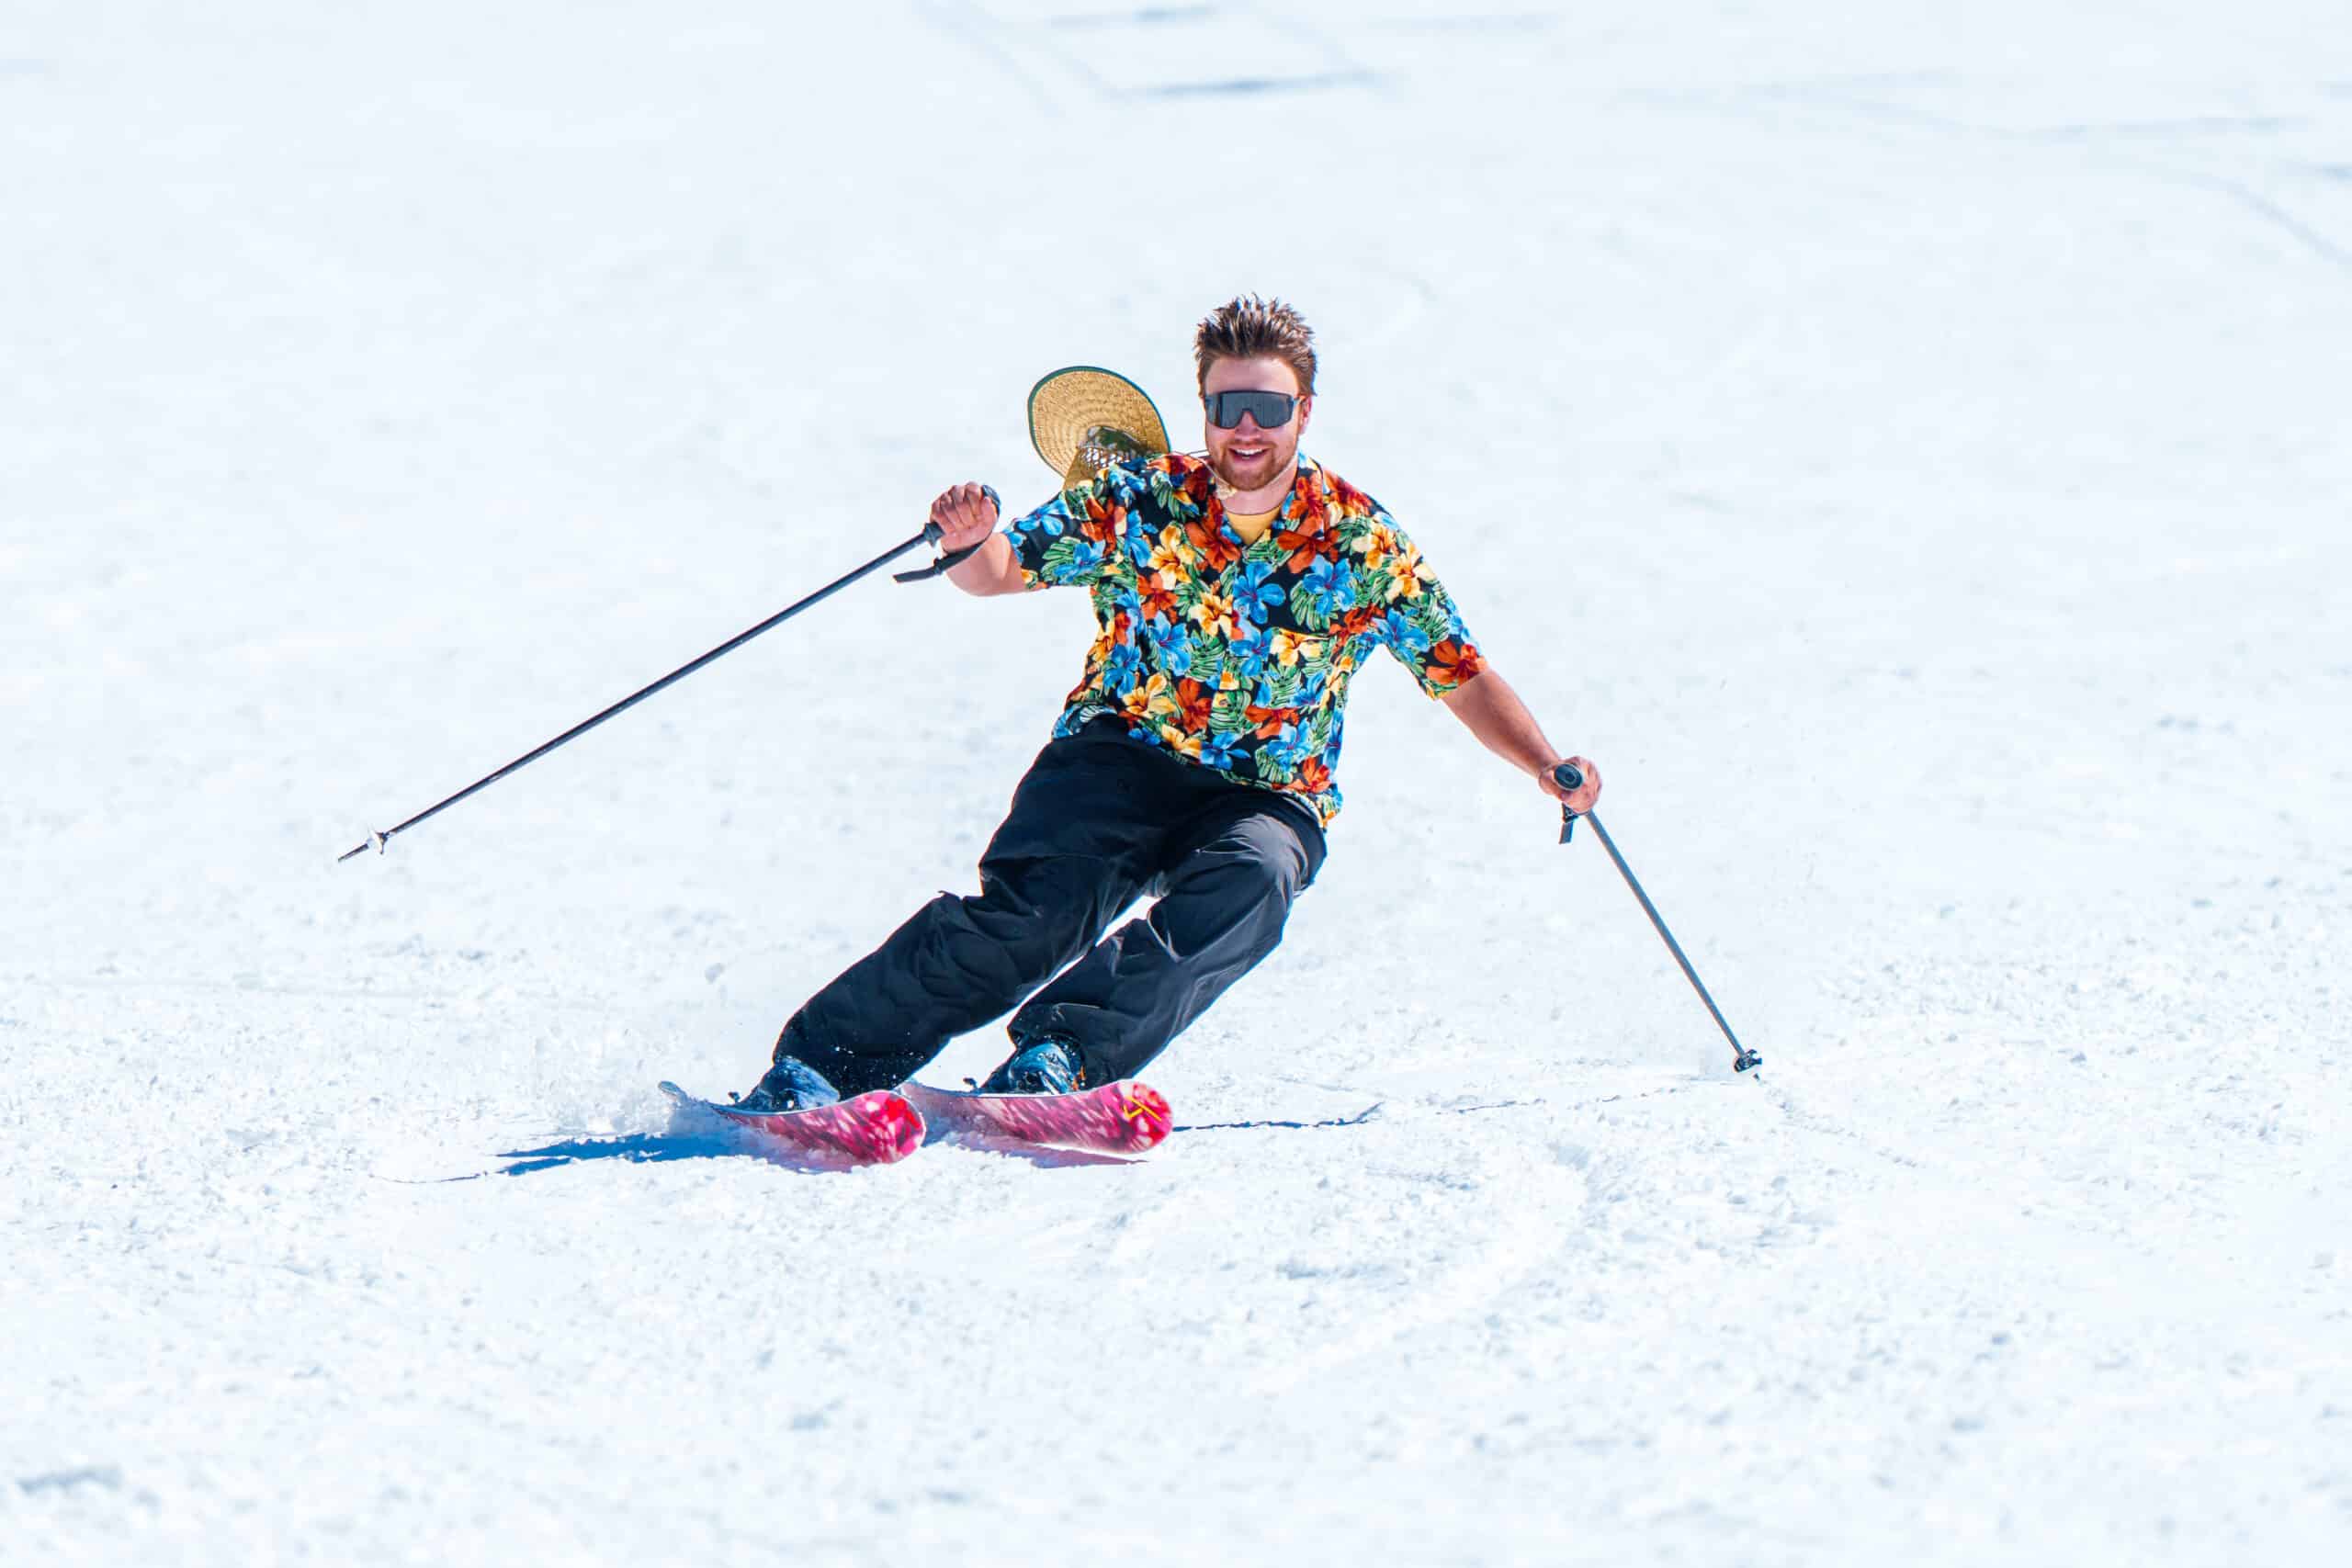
1906 446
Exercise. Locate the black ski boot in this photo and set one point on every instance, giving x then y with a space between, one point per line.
1044 1066
790 1085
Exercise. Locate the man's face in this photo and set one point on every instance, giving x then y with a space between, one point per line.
1249 456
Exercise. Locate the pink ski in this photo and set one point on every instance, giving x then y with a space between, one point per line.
1125 1117
871 1129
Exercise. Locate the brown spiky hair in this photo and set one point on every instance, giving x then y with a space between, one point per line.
1248 328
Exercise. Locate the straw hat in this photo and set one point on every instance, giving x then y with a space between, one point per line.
1084 418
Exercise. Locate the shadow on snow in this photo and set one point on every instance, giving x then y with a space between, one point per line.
638 1148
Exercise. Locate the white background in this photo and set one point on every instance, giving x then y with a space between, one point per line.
1908 445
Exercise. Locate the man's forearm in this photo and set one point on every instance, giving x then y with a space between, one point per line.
1492 711
991 569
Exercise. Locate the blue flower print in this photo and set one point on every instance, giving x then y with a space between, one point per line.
1224 750
1249 655
1257 588
1332 586
1402 635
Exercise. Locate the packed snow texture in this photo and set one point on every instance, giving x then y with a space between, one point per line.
1909 447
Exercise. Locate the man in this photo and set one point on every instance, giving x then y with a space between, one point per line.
1236 598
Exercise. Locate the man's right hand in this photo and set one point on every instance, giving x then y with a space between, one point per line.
966 517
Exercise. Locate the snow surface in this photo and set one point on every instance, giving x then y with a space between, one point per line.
1908 445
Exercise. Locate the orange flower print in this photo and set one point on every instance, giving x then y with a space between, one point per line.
1158 595
1180 741
1102 522
1289 647
1307 546
1217 551
1271 722
1148 698
1171 555
1213 616
1192 701
1452 663
1310 513
1407 576
1314 776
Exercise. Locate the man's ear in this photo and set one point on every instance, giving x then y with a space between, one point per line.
1306 412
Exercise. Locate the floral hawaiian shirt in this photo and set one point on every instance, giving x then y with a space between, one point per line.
1237 656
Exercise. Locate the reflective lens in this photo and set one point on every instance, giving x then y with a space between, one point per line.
1270 409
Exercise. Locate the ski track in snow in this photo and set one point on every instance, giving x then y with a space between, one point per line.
1906 448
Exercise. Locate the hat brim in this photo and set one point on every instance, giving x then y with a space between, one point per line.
1069 405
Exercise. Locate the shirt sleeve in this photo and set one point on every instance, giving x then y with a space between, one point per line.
1422 628
1069 541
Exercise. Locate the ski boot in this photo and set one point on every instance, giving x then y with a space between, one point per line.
790 1085
1047 1064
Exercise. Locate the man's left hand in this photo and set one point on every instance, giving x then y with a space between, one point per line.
1581 799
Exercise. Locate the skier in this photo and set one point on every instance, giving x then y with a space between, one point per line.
1236 598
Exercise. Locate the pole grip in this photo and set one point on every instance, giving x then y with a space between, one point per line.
1569 776
933 532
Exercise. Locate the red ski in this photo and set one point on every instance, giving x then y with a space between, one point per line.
1125 1117
871 1129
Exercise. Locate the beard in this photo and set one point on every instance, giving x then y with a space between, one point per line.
1259 472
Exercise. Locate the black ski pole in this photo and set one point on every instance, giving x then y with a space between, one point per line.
1568 777
930 536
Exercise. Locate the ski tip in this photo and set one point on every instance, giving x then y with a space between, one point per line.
673 1092
1145 1112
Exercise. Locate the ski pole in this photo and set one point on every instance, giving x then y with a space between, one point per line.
1569 777
930 536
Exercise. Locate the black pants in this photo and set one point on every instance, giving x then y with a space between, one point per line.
1100 821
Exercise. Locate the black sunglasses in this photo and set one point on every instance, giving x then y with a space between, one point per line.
1270 409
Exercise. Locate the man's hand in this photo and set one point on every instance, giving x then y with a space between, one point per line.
1585 796
965 516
